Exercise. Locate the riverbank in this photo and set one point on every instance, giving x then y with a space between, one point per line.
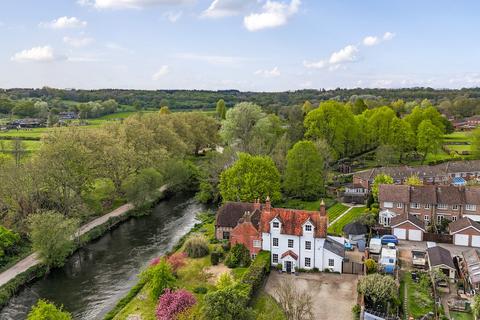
31 268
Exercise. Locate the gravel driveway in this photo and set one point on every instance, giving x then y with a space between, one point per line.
334 295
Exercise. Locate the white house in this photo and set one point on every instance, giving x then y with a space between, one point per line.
297 239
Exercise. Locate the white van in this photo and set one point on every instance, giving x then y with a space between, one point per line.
375 245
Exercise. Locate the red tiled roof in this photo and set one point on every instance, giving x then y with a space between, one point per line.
293 220
290 253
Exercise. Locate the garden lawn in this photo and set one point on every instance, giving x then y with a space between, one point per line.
266 308
419 299
335 211
350 216
455 315
305 205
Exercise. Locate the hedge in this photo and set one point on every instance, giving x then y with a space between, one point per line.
256 273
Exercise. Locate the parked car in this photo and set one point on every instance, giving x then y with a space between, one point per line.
389 238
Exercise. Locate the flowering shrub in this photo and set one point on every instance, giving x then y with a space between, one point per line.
177 260
171 303
155 261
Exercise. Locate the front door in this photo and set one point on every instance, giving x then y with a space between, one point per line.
288 266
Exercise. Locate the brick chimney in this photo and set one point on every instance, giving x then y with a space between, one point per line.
323 211
268 205
256 204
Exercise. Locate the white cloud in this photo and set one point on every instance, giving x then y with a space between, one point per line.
225 8
336 60
275 72
374 40
129 4
371 41
173 16
274 14
36 54
64 23
78 42
211 59
388 36
163 71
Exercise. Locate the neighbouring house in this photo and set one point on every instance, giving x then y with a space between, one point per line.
355 193
355 231
430 204
465 232
228 216
440 174
440 258
407 227
466 124
297 239
470 268
26 123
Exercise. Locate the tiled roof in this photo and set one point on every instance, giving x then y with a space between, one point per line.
472 260
290 253
463 223
393 193
449 195
334 247
230 212
404 217
438 255
423 194
293 220
472 195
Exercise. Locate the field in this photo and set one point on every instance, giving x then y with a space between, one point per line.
353 214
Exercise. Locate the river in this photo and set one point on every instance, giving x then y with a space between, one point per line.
95 277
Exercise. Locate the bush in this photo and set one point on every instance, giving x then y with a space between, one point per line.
8 239
227 304
159 277
215 257
196 246
200 290
371 265
177 260
171 303
239 256
257 272
226 245
356 311
44 310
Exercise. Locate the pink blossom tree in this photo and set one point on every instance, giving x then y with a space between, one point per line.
171 303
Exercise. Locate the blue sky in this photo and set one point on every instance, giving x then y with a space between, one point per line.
256 45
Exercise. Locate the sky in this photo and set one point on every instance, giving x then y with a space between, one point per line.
249 45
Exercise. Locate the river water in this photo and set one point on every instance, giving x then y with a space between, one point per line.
98 275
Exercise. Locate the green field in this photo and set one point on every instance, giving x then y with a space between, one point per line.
352 215
335 211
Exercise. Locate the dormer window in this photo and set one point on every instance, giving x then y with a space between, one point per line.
308 227
276 224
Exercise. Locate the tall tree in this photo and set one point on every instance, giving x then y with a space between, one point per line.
304 171
378 180
401 137
250 178
429 138
221 109
307 107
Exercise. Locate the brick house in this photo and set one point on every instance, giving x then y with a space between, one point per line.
465 232
429 203
435 174
295 238
408 227
228 216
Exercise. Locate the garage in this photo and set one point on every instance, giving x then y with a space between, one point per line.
475 241
465 232
400 233
461 239
408 227
414 235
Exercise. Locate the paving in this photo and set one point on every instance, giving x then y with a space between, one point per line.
334 295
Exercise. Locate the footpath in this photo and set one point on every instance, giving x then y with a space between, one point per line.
33 259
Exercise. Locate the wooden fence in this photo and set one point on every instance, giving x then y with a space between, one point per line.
351 267
435 237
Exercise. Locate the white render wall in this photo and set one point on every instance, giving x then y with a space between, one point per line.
318 255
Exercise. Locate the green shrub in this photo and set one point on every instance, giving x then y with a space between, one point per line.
200 290
215 257
159 277
196 246
371 265
239 256
44 310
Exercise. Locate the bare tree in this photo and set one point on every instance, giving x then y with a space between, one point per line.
296 304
